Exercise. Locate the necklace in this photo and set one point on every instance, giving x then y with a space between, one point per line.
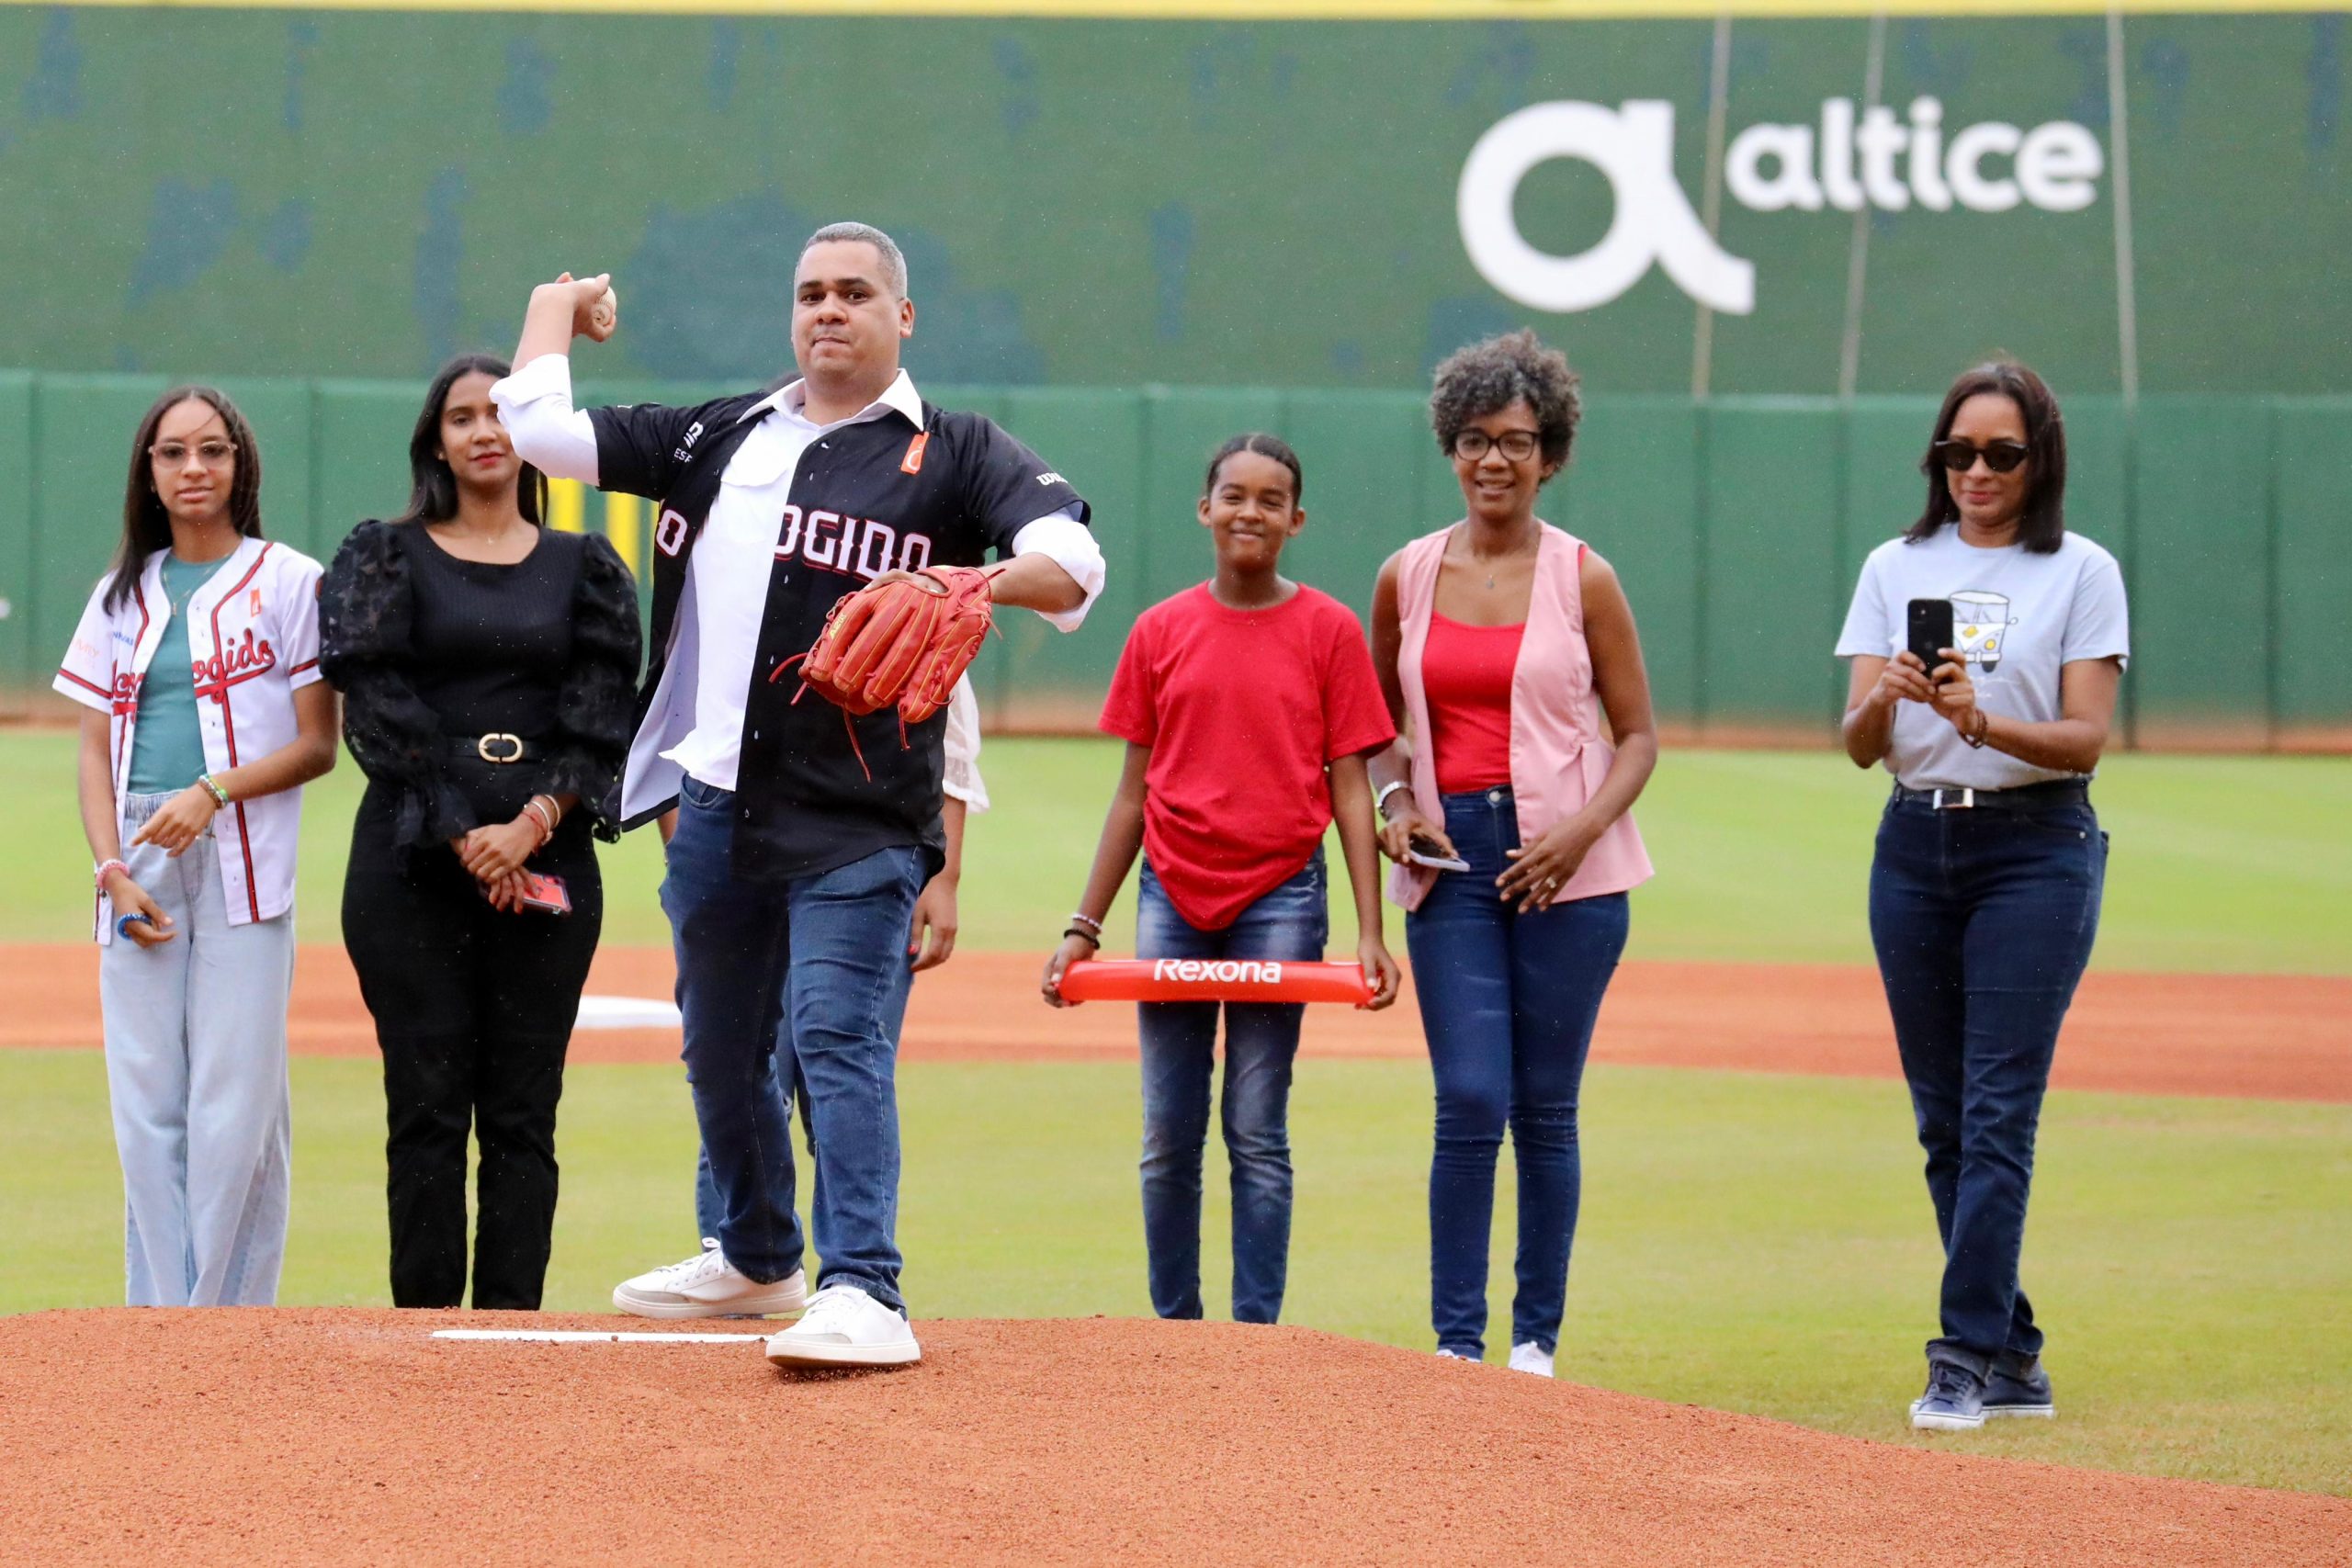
489 538
1507 554
179 601
1489 563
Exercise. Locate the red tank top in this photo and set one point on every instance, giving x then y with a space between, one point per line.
1466 673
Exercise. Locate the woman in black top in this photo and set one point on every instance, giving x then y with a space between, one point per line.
487 667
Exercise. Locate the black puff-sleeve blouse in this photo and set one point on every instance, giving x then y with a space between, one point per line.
431 652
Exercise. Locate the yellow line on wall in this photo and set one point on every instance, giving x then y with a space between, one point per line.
1265 10
567 506
624 525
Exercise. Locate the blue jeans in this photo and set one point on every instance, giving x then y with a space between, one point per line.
709 1208
1508 1003
1179 1053
817 966
1984 920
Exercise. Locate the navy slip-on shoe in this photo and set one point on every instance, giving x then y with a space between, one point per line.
2018 1386
1954 1401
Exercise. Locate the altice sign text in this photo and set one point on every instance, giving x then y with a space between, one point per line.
1843 165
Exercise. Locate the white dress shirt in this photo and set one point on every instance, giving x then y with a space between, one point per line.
715 639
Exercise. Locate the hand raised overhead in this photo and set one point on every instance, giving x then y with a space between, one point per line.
596 309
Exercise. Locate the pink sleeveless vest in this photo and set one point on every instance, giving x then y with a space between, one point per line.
1559 752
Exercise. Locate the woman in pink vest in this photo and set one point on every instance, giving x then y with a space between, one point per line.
1500 642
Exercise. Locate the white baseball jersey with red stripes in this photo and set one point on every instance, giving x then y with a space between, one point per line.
253 638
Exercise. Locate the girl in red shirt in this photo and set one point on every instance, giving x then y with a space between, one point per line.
1248 706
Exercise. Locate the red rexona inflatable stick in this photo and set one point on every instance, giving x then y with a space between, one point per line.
1212 980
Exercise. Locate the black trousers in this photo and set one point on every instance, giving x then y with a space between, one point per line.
473 1010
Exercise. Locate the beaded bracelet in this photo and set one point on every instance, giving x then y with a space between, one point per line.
1083 934
1090 922
98 876
213 787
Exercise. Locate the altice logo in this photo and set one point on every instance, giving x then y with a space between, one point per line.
1881 161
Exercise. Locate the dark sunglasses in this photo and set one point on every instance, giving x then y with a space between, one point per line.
2001 456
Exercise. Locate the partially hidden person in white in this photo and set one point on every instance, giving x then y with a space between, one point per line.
805 835
198 662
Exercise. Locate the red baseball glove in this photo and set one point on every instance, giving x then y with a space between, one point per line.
902 643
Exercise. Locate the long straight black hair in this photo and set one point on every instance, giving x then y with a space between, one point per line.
433 484
146 526
2042 524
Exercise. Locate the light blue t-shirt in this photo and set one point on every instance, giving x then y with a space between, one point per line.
2019 620
167 749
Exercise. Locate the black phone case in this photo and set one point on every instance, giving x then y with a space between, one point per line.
1929 630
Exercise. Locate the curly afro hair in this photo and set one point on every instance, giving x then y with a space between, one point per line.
1489 377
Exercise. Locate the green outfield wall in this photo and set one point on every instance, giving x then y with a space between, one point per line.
1738 525
2156 205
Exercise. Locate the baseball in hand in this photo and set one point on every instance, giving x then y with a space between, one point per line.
596 309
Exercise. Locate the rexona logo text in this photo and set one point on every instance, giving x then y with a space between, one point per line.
1882 161
1225 971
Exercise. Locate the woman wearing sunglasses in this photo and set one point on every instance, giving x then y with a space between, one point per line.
1984 892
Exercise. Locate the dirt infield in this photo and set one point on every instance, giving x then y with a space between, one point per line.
337 1436
2256 1036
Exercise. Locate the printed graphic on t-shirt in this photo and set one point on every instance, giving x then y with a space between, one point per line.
1981 622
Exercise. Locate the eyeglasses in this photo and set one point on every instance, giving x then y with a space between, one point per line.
172 454
1517 444
2001 456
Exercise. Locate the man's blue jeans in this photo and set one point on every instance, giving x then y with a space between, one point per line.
818 965
1179 1054
1507 1004
709 1208
1984 920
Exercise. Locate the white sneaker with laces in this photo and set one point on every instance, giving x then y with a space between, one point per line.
706 1285
1530 1357
846 1327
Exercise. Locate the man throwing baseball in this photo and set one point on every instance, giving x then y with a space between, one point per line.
804 834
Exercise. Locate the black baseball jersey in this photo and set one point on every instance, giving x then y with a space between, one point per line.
867 497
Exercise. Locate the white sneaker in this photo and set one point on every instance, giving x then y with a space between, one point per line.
846 1327
1454 1355
706 1285
1530 1357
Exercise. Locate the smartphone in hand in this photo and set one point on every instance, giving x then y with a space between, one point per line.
1421 852
1928 631
545 894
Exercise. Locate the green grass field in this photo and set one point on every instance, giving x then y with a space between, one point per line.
1748 1242
2232 864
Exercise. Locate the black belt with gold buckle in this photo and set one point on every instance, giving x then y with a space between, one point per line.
498 747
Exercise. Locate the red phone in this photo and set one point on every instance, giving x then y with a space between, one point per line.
545 894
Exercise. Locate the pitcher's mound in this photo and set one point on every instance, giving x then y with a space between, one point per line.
335 1437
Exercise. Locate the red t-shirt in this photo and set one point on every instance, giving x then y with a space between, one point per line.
1241 709
1465 674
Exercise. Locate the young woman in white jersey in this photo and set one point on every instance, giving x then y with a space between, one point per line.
197 659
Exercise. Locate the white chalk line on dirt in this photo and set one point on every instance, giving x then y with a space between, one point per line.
593 1336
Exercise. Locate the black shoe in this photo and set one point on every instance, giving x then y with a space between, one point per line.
1954 1401
2018 1386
